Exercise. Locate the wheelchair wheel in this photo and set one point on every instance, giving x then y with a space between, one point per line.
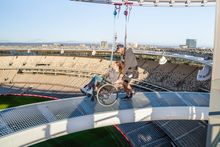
107 95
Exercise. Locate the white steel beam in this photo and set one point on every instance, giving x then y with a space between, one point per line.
213 136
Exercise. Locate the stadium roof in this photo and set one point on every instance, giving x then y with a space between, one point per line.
156 3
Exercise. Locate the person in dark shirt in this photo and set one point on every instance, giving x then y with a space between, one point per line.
130 67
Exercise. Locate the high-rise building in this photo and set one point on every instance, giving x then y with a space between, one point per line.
191 43
104 45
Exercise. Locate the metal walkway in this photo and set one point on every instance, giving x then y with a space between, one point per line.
26 125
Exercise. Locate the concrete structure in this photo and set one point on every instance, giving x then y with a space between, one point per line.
30 124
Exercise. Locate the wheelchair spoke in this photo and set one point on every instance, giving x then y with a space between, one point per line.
107 95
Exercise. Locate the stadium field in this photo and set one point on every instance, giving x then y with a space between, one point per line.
101 137
13 101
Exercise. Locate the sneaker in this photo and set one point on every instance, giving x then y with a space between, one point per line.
89 91
84 90
131 95
133 92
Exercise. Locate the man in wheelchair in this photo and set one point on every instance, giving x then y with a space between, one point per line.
113 76
120 74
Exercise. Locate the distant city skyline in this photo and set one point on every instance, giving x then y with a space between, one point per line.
66 21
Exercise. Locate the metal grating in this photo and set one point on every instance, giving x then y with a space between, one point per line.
179 127
196 138
146 135
20 118
127 128
162 142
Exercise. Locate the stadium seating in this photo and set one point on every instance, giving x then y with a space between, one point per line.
63 73
177 77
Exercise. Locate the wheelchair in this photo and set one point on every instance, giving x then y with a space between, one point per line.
105 92
108 93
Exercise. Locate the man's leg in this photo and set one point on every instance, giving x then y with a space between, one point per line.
97 79
94 83
91 83
128 90
125 87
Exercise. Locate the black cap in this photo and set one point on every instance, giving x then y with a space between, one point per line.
119 46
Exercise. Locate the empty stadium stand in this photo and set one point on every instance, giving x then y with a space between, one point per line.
68 74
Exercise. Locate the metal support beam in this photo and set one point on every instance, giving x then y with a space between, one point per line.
213 136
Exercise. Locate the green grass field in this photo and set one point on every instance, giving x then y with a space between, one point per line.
13 101
101 137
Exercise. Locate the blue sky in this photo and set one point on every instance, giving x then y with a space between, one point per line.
63 20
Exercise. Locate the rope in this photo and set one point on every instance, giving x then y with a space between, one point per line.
130 8
115 13
127 13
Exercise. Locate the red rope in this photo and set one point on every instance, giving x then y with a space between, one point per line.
34 95
123 134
